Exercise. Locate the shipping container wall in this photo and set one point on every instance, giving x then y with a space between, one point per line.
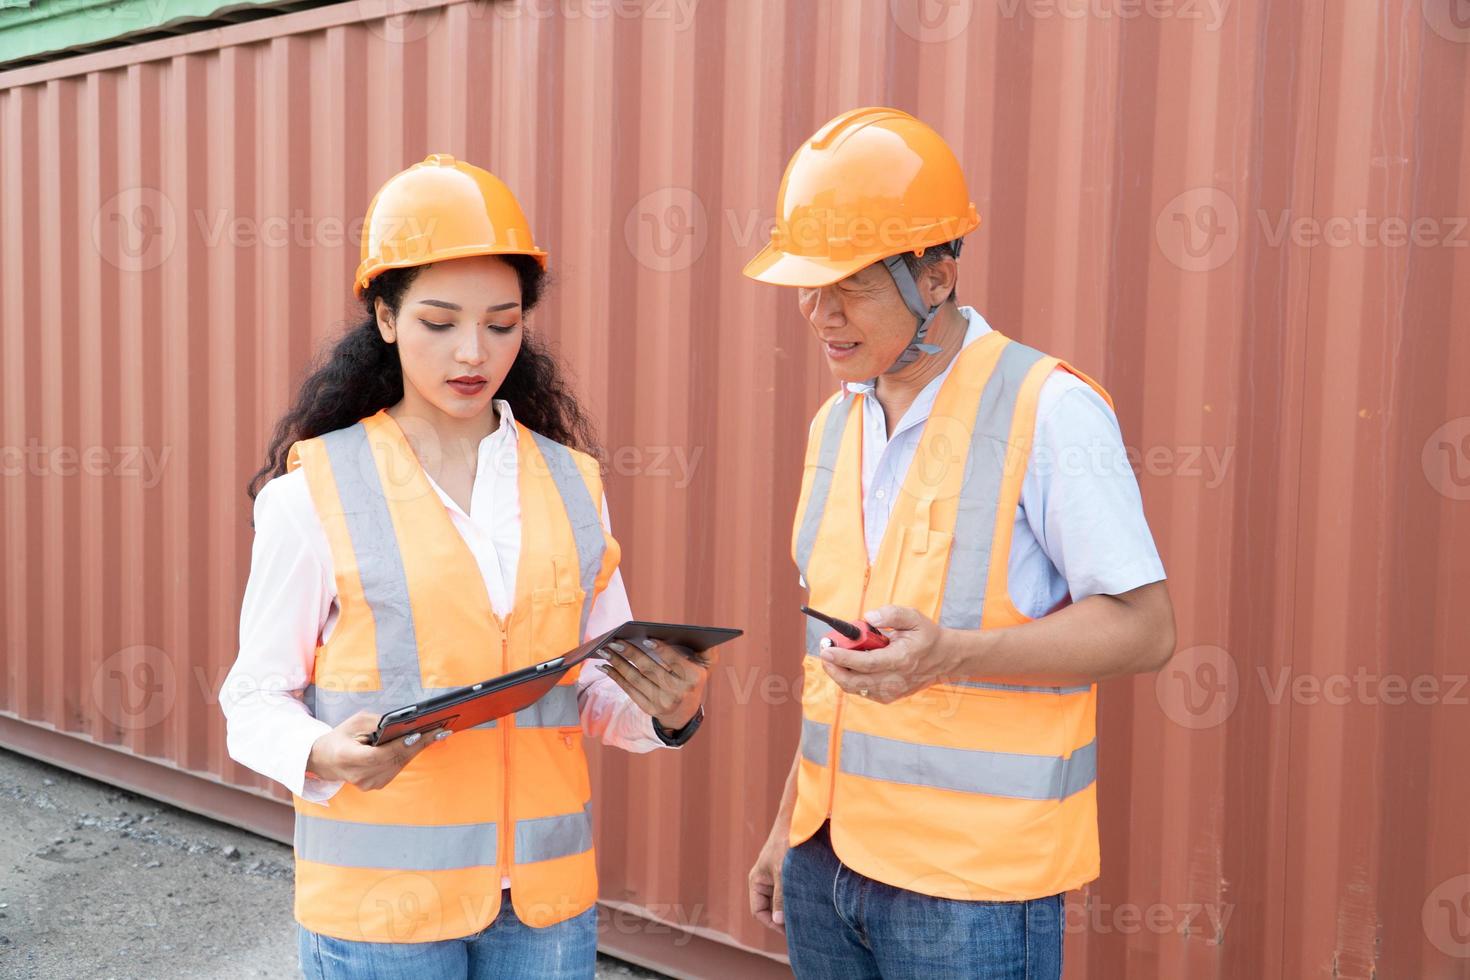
1247 219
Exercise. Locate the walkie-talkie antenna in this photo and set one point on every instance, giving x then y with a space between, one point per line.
840 625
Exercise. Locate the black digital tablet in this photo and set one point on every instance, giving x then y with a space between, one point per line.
497 697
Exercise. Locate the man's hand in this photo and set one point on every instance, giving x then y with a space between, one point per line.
764 880
341 754
1086 641
915 658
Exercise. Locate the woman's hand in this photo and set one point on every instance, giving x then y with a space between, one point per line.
341 755
670 688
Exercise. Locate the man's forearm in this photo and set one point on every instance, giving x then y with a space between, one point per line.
782 824
1101 636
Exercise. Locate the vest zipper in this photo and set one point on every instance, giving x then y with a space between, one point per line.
835 749
506 829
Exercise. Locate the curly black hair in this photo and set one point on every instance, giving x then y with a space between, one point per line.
362 374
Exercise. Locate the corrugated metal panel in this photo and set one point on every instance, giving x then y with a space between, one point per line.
1151 178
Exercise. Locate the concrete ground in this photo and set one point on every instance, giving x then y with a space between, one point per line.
97 882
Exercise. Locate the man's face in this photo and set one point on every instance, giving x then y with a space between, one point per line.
861 321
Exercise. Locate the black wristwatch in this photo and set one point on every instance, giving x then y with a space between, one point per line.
679 737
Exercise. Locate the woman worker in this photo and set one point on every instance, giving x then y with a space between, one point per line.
432 517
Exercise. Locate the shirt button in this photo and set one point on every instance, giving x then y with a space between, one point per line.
881 494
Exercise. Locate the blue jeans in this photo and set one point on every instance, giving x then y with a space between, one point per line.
506 949
843 926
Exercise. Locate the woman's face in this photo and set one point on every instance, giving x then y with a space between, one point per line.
458 331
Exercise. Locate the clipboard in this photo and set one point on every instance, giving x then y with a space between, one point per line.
476 704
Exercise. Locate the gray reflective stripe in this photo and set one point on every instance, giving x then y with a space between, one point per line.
816 503
545 838
816 741
557 708
584 513
379 567
1029 777
395 847
337 706
969 561
814 633
1023 688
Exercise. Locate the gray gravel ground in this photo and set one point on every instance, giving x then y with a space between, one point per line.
97 882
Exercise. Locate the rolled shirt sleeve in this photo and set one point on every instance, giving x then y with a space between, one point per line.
1081 501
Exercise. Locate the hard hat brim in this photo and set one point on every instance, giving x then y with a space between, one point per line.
457 253
785 269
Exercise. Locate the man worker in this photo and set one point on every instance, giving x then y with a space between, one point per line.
969 497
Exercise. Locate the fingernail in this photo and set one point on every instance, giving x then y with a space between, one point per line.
444 734
778 917
615 646
413 739
605 668
649 645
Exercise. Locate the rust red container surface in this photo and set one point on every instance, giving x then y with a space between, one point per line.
1247 219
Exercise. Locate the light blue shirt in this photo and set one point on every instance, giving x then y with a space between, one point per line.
1079 529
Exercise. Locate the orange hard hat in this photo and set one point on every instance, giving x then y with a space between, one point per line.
872 183
442 208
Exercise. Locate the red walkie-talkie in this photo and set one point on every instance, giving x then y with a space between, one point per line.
849 636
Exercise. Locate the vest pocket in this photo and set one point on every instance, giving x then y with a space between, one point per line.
556 622
917 580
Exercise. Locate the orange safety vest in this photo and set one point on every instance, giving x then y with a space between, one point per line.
422 859
979 788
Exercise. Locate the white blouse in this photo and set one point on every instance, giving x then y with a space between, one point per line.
291 600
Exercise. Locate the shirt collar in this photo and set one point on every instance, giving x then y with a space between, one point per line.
977 328
505 433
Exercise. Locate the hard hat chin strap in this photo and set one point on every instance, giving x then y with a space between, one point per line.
908 288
